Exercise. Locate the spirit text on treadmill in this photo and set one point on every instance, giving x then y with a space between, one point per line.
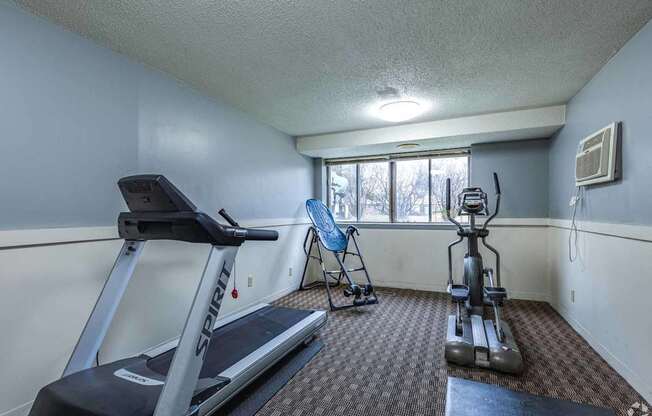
211 316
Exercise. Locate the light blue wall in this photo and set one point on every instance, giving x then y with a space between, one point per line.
219 156
68 125
621 91
74 117
522 167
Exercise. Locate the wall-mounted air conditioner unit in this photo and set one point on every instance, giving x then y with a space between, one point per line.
597 157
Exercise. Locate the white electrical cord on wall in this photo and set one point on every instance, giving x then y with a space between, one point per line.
572 242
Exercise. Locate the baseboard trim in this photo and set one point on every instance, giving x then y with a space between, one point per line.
631 376
431 287
539 297
274 296
426 287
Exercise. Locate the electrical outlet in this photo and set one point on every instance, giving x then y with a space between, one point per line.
572 295
290 271
250 280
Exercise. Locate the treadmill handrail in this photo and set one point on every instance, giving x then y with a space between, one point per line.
189 356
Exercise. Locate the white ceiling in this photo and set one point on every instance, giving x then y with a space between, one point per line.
309 67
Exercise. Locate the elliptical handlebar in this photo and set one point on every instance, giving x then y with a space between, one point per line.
447 210
496 184
447 213
497 188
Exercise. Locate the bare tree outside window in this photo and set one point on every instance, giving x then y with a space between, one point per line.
412 202
455 168
374 192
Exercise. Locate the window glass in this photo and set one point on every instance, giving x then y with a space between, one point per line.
413 179
455 168
374 192
412 204
342 192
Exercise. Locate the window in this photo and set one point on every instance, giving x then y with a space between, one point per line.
455 168
374 192
412 203
342 192
395 188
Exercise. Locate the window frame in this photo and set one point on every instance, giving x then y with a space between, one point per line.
391 159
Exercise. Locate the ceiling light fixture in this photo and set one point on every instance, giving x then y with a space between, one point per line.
407 146
397 111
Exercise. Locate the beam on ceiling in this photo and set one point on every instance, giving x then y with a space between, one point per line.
512 125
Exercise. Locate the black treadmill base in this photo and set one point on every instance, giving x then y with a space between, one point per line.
470 398
99 392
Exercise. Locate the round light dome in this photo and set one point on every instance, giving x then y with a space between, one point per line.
399 110
407 146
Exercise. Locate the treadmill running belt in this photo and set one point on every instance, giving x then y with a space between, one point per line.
98 391
229 344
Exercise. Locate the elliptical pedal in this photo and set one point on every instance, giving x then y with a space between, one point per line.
459 293
495 295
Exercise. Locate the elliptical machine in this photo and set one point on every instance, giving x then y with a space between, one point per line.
472 339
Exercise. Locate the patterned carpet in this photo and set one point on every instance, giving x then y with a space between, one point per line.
388 359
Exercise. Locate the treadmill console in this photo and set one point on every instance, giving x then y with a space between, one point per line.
153 193
159 211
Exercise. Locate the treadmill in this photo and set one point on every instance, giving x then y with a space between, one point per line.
213 359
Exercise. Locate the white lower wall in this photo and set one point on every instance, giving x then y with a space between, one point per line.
417 258
612 280
47 293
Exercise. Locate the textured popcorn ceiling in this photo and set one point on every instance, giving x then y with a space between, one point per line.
308 66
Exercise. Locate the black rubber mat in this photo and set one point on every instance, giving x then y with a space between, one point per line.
234 341
250 400
470 398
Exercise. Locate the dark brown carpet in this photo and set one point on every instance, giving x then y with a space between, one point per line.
388 359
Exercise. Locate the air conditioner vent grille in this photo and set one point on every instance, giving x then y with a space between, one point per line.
596 159
588 164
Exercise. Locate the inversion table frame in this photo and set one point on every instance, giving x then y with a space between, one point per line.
324 233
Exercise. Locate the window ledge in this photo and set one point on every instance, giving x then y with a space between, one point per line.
400 225
497 223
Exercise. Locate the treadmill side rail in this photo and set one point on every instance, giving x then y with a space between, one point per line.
248 369
189 357
98 323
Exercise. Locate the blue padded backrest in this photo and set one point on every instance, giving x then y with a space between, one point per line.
330 235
